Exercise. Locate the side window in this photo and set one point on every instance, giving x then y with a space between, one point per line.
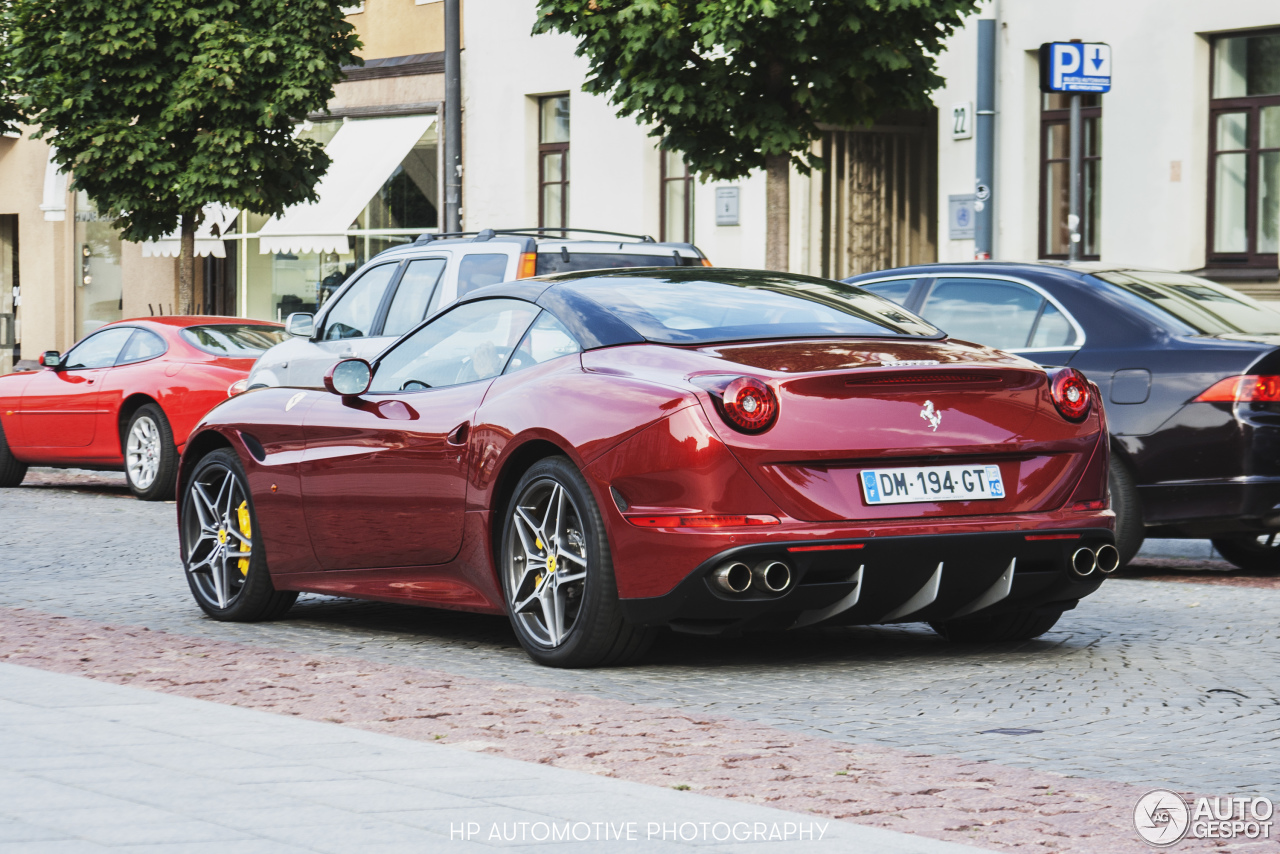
999 314
468 343
897 290
1053 330
354 313
413 295
142 345
547 339
476 271
99 350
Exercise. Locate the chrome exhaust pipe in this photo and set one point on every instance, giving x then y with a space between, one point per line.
732 577
772 575
1108 559
1084 561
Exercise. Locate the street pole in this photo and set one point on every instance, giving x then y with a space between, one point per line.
985 143
1075 198
452 115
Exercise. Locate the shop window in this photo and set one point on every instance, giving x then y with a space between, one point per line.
1055 171
10 294
677 199
553 161
404 206
1244 139
99 283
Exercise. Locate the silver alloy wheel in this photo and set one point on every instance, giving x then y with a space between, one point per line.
546 562
143 450
218 535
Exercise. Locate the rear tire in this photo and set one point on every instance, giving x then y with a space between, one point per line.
150 457
11 470
1130 530
557 573
1016 626
1258 553
218 524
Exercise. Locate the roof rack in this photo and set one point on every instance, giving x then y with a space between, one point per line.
490 233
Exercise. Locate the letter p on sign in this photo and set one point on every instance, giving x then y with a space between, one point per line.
1066 60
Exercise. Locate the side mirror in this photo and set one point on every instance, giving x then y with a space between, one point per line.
301 324
51 359
349 377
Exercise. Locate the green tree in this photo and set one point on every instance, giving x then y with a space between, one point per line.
738 85
10 115
159 107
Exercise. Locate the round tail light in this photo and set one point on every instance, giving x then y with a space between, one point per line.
1070 392
749 405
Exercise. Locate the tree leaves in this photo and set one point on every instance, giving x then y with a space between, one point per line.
158 107
729 82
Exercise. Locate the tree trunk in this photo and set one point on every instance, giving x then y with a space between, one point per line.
777 252
187 265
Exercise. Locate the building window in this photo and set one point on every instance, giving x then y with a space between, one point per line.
553 161
404 206
99 281
1055 171
1244 146
677 199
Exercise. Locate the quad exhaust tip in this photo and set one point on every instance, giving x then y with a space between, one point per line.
772 575
1108 559
1084 561
734 577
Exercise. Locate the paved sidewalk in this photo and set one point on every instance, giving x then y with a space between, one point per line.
89 766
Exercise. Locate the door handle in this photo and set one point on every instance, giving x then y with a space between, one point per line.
458 436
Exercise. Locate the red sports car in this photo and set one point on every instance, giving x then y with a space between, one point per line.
126 397
601 454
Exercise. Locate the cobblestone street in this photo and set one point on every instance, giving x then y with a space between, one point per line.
1147 682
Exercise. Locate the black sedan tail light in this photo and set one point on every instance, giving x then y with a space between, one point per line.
1246 389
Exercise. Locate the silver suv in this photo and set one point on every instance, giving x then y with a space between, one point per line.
398 289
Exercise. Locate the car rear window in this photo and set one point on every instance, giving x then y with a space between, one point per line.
1194 304
688 308
554 261
234 340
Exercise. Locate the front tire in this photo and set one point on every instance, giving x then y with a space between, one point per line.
150 457
12 471
226 565
1015 626
1256 553
557 573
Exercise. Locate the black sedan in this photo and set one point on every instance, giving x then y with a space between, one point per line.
1190 371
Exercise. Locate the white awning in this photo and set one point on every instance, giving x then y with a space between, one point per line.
218 219
364 155
54 203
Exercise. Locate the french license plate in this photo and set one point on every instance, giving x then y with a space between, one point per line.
932 483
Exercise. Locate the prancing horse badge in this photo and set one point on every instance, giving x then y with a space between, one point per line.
928 413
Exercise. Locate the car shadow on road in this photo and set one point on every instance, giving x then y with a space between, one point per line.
783 651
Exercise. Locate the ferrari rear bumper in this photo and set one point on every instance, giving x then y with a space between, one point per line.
880 580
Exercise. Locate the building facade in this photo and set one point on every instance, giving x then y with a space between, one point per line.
1181 157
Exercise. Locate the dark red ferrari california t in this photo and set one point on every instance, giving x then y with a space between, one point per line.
601 454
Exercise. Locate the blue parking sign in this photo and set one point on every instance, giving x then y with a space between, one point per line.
1075 67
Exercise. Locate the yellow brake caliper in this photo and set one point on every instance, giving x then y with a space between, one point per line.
247 530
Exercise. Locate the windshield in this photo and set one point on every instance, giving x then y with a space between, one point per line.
1195 305
699 306
234 341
